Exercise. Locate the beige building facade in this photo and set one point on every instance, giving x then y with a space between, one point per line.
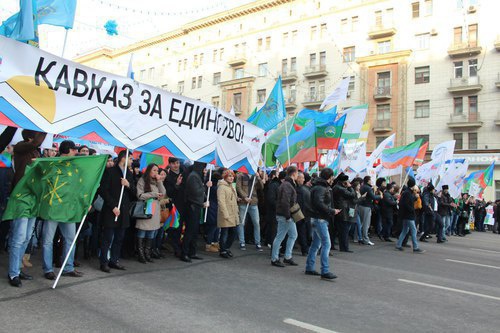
427 69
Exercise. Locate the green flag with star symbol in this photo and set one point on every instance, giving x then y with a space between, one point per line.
58 189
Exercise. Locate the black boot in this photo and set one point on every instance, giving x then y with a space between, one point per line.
155 254
147 249
140 250
86 247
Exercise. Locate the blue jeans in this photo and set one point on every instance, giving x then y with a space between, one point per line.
284 227
253 211
453 225
408 225
112 238
446 225
150 234
358 227
321 237
68 231
21 230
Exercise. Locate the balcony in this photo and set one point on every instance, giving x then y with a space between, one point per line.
464 120
313 99
381 93
315 71
288 76
465 85
382 30
290 103
464 49
238 59
382 126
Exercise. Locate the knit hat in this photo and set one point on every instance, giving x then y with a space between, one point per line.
445 187
411 182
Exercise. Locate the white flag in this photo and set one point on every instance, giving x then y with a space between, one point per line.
426 172
355 117
453 177
338 95
383 172
443 151
353 157
387 143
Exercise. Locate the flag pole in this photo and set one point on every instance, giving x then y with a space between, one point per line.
249 197
208 194
69 252
123 187
64 45
287 143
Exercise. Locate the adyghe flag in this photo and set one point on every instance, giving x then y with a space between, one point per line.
59 189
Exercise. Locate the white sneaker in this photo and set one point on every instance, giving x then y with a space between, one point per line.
371 243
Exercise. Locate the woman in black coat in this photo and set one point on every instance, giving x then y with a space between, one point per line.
110 189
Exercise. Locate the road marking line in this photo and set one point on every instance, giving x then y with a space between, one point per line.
472 263
450 289
487 251
307 326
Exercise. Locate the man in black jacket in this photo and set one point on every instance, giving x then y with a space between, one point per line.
322 211
407 215
287 197
174 185
342 194
431 218
387 208
365 208
304 200
445 204
113 232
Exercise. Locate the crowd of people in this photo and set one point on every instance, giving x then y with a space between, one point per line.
317 211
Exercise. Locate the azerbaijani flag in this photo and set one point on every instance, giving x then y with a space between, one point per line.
419 159
328 135
483 178
172 220
302 146
5 160
404 155
147 158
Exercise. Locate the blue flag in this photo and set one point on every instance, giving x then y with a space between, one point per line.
60 13
321 118
409 171
20 26
332 110
273 112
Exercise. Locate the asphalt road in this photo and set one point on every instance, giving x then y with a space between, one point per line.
453 287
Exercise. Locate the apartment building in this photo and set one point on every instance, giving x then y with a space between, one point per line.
427 69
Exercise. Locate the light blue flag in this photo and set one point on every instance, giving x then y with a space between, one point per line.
321 118
60 13
273 112
409 172
20 26
332 110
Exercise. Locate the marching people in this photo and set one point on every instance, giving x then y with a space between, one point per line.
387 207
407 215
431 218
445 205
211 229
249 205
151 190
227 213
287 198
365 208
174 185
343 194
304 199
113 231
322 211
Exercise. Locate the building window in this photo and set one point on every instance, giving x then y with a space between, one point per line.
193 83
237 103
497 191
384 46
200 80
322 60
216 101
472 67
379 139
321 89
184 65
351 86
415 9
294 37
312 60
459 140
423 41
428 7
472 140
384 115
179 65
292 94
349 54
472 35
259 44
216 78
268 43
151 73
314 30
214 56
293 65
263 69
458 69
424 137
142 74
201 58
378 19
284 66
312 91
354 23
323 30
221 54
195 60
422 74
457 35
238 73
458 107
422 109
343 25
472 107
384 81
180 87
285 38
261 95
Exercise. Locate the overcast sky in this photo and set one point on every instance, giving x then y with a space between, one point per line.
91 15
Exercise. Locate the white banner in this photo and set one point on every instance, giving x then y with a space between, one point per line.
353 157
42 92
443 151
454 178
